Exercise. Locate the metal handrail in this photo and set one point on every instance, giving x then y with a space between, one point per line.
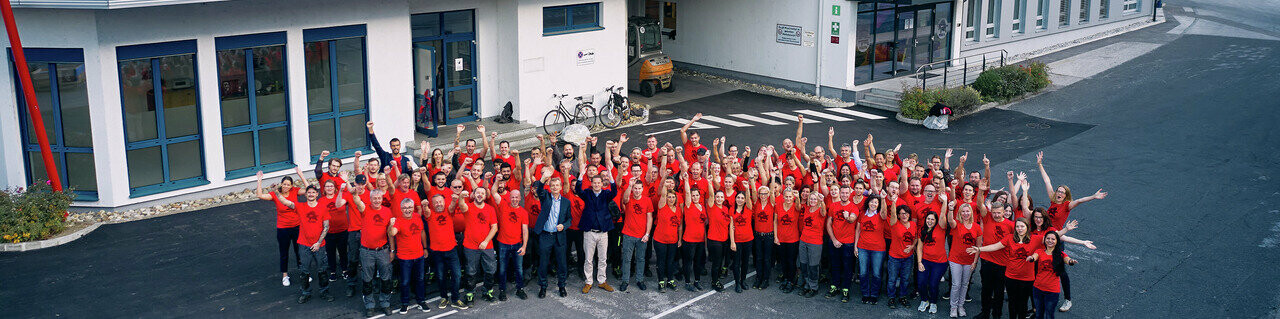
965 62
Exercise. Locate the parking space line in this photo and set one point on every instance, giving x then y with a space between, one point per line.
786 116
825 115
750 117
864 115
722 120
429 302
695 299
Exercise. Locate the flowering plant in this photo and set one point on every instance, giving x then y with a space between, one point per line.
33 213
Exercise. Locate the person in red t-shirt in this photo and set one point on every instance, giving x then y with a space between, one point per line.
443 250
786 226
336 249
902 236
693 237
637 224
375 253
286 219
1020 270
931 259
314 224
409 238
994 230
356 196
513 239
667 224
690 141
717 237
1061 204
1050 263
871 224
842 225
964 233
741 235
812 220
477 240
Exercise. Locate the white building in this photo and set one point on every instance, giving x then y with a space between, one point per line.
148 100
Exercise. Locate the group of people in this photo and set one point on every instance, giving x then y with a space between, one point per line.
893 225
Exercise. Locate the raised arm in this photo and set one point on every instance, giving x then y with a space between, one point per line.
1048 185
831 135
799 128
302 180
1096 195
684 134
484 152
373 140
319 170
258 191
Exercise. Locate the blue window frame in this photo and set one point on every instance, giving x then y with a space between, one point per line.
253 93
571 18
337 89
159 95
58 76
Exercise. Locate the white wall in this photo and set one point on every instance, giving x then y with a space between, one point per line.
1054 34
548 64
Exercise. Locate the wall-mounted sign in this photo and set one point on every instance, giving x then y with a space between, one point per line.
835 27
835 39
586 57
457 64
789 34
835 10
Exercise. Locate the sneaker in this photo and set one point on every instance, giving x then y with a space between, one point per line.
662 287
893 303
923 306
640 284
469 297
520 294
488 295
304 299
333 276
368 313
1066 306
542 292
717 286
386 311
960 311
623 287
326 296
404 309
698 286
689 287
502 295
953 312
444 303
833 292
874 300
737 288
845 297
351 292
460 305
763 285
933 308
284 281
562 293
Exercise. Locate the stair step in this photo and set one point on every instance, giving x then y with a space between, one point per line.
880 105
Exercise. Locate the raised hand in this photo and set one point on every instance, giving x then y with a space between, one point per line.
831 132
481 129
800 118
358 153
493 135
369 125
947 154
697 117
1040 158
461 128
1022 176
324 153
1071 225
622 138
1008 175
964 157
1100 194
985 161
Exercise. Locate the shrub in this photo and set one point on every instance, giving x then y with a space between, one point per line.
1010 81
33 214
916 102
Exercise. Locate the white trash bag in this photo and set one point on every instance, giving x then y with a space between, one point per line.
575 134
937 122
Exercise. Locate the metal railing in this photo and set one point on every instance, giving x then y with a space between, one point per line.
959 71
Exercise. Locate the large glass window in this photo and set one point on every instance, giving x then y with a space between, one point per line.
336 89
1019 11
1041 9
58 77
158 89
1104 9
572 18
993 17
1084 10
1064 14
971 21
253 94
1131 5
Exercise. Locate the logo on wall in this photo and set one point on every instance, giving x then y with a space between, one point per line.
864 45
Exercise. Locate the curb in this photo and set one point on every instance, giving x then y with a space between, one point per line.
56 241
904 119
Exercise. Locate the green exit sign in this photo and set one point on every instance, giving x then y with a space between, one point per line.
835 28
835 10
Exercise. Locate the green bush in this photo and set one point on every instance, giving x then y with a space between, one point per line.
33 214
916 103
1010 81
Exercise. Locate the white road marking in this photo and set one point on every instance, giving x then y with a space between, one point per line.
785 116
680 121
1188 9
815 113
429 302
757 119
695 299
726 121
864 115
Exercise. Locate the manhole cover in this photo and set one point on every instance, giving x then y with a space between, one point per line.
662 112
1041 126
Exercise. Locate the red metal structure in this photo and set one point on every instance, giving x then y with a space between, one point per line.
29 92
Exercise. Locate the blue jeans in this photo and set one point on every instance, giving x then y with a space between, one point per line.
870 260
412 270
1046 303
632 250
450 271
899 276
509 259
929 280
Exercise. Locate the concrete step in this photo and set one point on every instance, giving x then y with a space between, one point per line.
880 105
882 95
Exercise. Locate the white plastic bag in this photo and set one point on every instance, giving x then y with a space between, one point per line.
937 122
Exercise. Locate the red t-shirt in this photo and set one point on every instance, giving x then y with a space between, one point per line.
666 225
742 225
1058 214
812 226
873 230
720 219
397 196
842 228
995 232
337 215
311 227
695 224
325 177
636 217
510 224
355 218
1046 279
935 251
763 219
286 217
918 211
691 152
788 230
576 205
1018 267
374 233
479 221
962 238
409 237
440 227
902 234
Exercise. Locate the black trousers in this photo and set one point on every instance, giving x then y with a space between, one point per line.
992 288
787 260
287 238
1019 293
764 257
742 259
695 257
336 248
666 257
717 252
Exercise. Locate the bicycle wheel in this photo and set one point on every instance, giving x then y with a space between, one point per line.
586 115
610 116
555 122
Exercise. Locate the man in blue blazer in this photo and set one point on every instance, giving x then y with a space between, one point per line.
550 227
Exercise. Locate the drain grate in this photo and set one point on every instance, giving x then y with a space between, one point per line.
1038 125
662 112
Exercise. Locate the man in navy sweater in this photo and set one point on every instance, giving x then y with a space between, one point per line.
596 224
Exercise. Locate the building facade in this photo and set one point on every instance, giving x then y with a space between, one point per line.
156 100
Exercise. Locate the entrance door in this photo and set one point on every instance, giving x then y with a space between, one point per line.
905 43
424 87
460 80
941 32
922 39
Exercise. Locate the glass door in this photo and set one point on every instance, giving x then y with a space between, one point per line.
904 43
921 41
425 65
460 80
941 32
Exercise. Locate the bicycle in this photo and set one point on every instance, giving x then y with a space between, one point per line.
616 109
559 117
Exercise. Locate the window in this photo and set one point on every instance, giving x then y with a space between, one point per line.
1064 16
253 94
1084 10
58 76
158 91
571 18
1041 10
1104 8
668 16
1019 11
336 91
1131 5
971 21
993 17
